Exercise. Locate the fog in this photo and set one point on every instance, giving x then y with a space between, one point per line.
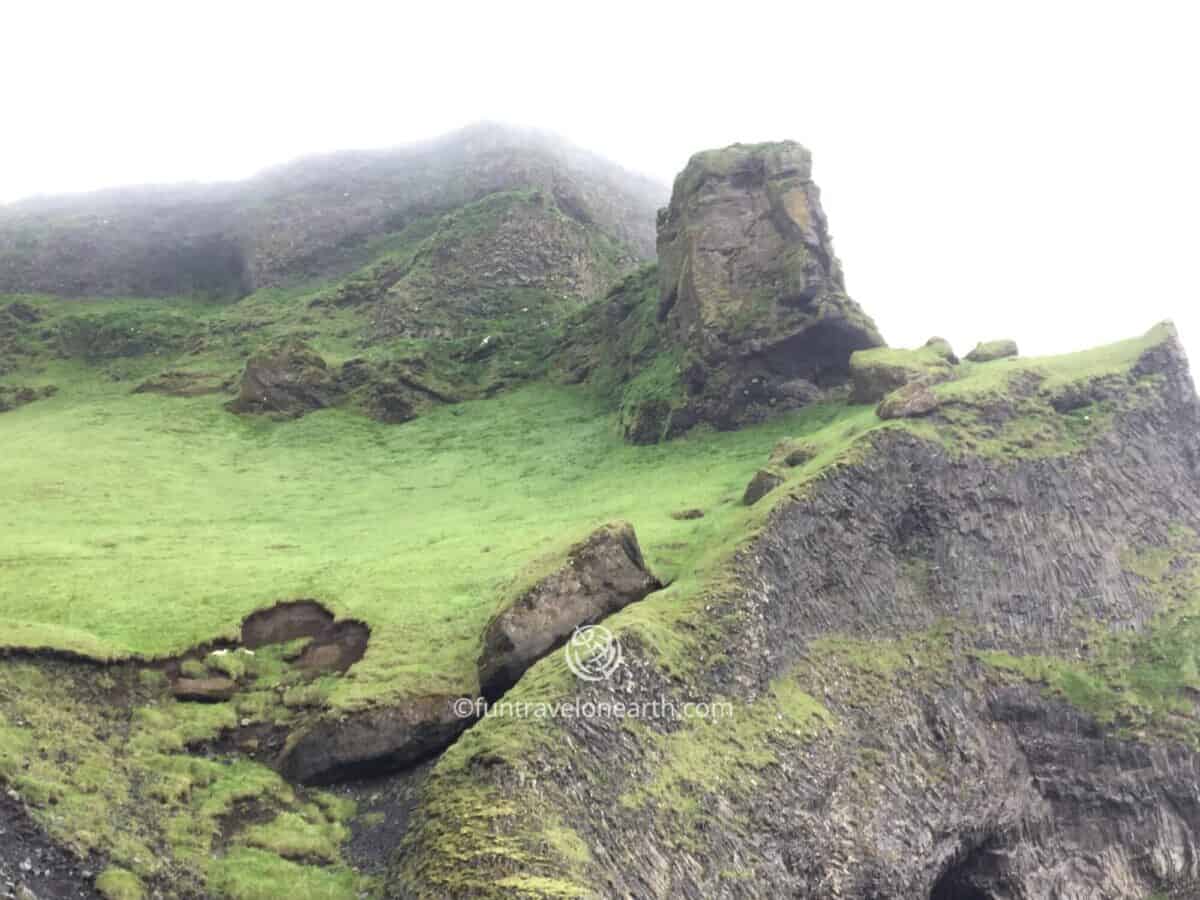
1018 169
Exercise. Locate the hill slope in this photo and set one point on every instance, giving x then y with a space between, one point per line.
939 616
313 218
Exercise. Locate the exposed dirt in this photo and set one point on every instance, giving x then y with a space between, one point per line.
32 865
385 805
335 646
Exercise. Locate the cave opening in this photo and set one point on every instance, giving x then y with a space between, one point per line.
820 353
967 878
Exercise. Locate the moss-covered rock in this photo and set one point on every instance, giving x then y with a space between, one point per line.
749 287
942 348
908 402
792 452
287 379
763 482
876 373
992 350
597 577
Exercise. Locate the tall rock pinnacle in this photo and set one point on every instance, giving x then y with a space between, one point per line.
749 285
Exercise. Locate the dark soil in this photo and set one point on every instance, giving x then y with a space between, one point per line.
30 862
373 841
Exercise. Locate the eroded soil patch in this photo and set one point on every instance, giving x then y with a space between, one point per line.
31 861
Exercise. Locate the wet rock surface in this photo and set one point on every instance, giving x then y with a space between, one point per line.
601 575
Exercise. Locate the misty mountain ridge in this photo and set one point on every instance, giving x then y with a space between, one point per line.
307 219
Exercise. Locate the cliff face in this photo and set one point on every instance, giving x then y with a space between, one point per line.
314 218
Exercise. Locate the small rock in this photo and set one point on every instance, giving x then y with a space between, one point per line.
684 514
792 453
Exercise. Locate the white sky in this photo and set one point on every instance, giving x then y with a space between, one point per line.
989 169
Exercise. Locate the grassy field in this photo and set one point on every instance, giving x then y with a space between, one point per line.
142 524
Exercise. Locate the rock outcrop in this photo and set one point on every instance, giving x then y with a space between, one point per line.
599 576
876 373
746 313
749 287
286 380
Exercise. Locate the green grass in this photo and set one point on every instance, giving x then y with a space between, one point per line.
122 512
117 884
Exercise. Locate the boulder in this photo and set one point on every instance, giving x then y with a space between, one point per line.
204 690
597 577
749 287
372 741
915 399
942 348
763 482
287 380
876 373
990 350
